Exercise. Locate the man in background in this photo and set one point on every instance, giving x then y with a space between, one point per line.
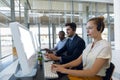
74 47
60 44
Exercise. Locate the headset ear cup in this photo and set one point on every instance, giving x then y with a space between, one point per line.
99 27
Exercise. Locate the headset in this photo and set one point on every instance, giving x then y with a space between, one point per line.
99 27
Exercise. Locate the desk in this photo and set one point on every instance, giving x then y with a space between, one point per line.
39 76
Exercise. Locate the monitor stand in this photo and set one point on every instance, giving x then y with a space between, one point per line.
19 74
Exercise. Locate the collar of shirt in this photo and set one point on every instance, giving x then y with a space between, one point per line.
71 38
63 40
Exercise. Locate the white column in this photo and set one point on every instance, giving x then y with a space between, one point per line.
65 9
117 23
0 44
84 31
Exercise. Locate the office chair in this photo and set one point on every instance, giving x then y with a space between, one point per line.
109 72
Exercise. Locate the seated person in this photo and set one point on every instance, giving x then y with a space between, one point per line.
96 57
60 44
74 47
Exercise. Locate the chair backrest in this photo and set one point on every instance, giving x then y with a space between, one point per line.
109 72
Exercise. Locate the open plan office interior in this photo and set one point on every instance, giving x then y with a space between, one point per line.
28 26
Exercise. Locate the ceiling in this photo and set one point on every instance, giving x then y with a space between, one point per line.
58 11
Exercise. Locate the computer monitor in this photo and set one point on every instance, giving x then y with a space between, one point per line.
36 42
25 47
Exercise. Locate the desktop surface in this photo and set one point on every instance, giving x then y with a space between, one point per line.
39 76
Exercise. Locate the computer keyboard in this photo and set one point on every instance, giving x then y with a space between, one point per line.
48 74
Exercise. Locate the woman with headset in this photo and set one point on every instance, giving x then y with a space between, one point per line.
96 57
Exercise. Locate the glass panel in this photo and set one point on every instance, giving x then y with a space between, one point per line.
6 41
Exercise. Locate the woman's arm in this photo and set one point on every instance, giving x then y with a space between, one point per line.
68 65
99 63
73 63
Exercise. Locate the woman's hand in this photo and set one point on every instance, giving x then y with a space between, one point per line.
58 68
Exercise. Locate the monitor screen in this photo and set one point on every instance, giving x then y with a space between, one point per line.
24 43
27 42
36 42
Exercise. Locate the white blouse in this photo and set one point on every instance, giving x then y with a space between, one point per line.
101 49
